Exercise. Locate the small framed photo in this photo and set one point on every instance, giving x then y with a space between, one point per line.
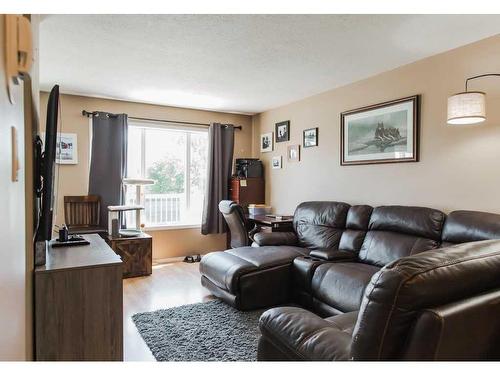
276 162
283 131
66 148
293 153
266 142
310 137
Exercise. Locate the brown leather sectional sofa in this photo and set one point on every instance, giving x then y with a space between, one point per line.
377 283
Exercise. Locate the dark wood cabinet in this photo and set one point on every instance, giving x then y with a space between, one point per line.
79 304
135 252
245 191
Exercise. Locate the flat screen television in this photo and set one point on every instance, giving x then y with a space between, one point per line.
45 163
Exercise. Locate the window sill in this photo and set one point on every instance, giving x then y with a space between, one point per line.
172 227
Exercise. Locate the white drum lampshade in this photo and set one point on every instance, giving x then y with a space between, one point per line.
467 108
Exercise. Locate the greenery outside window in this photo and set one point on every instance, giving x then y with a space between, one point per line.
176 158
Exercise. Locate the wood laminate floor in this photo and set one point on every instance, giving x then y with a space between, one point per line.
171 284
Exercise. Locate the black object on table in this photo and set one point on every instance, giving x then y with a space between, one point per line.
279 223
73 240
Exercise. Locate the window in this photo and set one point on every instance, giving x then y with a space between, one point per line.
176 158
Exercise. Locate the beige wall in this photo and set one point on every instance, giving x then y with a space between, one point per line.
73 179
15 332
459 167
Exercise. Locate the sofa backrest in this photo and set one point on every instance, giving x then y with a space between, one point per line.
383 234
401 291
398 231
320 224
468 226
358 218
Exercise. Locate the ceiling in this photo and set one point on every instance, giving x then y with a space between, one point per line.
238 63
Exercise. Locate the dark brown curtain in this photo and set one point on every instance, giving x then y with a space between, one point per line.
108 163
220 165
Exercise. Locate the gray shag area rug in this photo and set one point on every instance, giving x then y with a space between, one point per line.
211 331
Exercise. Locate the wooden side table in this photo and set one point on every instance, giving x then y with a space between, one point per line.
136 254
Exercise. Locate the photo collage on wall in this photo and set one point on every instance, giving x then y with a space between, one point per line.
282 134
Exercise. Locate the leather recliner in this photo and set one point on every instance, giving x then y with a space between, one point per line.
441 304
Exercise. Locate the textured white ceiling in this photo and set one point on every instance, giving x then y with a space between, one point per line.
238 63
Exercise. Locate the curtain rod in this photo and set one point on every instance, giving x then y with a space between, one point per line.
90 114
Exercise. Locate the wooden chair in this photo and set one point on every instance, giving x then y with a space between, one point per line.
82 214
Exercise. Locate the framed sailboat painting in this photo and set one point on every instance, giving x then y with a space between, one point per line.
382 133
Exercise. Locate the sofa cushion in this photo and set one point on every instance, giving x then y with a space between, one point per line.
341 285
358 217
352 240
399 231
415 221
469 226
380 247
344 322
275 238
268 256
357 221
320 224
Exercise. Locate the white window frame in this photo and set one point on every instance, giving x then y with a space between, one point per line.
151 124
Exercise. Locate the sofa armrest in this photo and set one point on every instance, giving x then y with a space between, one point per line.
301 335
333 255
302 272
275 238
